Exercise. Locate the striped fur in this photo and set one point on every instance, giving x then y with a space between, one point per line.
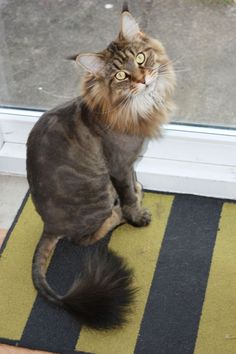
80 160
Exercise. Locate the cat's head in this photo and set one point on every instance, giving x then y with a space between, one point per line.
130 80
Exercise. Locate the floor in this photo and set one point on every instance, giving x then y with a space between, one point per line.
199 36
13 190
6 349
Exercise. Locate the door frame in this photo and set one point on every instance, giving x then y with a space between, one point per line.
186 159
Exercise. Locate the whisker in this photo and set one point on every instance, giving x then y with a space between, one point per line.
41 89
90 86
177 59
175 70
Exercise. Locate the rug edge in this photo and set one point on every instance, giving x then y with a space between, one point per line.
9 232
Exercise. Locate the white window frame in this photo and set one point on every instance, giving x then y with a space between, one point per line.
186 159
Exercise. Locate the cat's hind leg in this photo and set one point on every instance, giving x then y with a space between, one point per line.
108 225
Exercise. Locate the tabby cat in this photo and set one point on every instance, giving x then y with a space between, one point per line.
80 160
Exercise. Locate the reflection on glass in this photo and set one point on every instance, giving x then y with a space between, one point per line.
199 35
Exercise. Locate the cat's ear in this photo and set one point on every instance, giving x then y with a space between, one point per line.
129 27
94 63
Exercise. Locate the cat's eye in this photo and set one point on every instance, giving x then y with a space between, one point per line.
140 58
121 75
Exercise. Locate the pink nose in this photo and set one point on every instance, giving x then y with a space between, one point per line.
141 81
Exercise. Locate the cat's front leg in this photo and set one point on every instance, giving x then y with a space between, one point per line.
130 195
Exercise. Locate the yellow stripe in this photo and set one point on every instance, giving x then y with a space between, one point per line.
217 331
140 246
17 294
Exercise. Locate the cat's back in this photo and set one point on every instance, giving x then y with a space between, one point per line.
66 169
60 132
55 122
60 140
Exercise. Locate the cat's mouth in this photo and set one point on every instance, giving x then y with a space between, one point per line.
148 87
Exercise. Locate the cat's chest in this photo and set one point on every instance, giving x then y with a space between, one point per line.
121 150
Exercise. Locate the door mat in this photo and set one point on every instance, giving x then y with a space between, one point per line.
184 264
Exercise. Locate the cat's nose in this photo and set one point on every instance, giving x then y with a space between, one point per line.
141 81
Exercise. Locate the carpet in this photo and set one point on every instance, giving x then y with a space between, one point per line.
185 267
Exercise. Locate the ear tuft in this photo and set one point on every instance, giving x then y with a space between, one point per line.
125 6
93 63
71 57
129 27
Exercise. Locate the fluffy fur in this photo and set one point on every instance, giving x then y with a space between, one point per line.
80 160
100 297
129 106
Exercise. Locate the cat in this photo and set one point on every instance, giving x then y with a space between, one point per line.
80 159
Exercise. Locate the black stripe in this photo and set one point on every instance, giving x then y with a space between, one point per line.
132 52
119 60
49 327
121 55
128 51
148 49
9 341
173 310
116 66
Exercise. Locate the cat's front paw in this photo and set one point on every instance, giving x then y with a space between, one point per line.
144 217
137 216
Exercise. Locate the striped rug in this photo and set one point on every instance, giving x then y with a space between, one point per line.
185 267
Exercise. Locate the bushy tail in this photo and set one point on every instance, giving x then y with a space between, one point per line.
100 297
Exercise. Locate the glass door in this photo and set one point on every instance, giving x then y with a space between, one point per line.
199 36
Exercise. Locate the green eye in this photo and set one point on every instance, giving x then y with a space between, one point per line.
121 75
140 58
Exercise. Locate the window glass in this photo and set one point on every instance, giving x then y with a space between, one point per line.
199 36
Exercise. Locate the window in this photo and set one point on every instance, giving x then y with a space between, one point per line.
199 37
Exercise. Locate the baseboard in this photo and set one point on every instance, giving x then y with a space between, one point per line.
186 159
12 159
188 178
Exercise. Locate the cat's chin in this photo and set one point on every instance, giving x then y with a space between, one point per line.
146 89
